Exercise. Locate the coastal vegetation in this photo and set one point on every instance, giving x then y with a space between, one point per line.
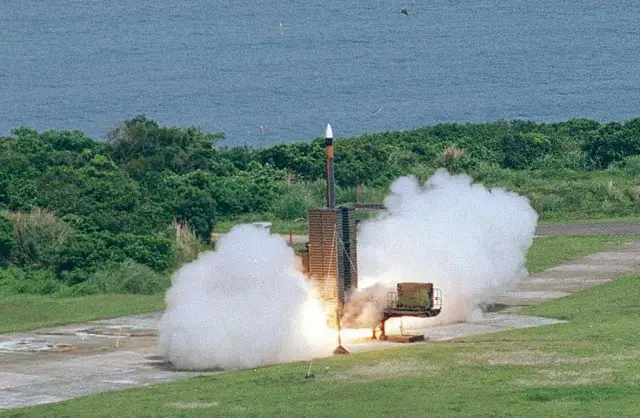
84 217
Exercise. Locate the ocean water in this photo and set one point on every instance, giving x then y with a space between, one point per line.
264 72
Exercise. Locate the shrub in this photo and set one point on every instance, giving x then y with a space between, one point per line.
86 253
572 160
35 282
6 239
628 165
127 277
38 282
9 277
198 208
188 246
294 202
37 237
519 151
611 144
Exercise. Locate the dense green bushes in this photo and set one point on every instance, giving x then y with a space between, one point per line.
125 277
31 281
613 142
6 239
85 253
38 236
46 256
83 216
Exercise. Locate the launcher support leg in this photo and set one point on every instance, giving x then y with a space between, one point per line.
383 335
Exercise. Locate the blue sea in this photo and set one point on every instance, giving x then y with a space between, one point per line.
265 72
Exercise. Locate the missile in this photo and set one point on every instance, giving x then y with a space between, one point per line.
328 132
328 153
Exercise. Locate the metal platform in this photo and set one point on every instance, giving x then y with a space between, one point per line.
393 311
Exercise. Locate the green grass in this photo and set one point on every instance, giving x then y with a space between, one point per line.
28 312
587 367
549 251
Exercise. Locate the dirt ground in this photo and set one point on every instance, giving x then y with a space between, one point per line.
60 363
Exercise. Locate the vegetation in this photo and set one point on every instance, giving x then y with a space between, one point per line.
29 312
585 367
74 211
547 252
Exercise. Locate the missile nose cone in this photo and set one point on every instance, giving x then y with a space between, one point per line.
328 133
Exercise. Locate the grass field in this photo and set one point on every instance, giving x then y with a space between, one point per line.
587 367
550 251
28 312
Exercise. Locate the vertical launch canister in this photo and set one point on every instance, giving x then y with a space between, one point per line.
331 260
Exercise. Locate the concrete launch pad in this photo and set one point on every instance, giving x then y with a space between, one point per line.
55 364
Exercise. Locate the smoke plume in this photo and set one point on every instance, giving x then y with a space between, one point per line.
469 241
243 305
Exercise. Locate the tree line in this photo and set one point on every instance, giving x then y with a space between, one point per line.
79 215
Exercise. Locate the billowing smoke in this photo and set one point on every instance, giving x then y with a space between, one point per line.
364 306
469 241
243 305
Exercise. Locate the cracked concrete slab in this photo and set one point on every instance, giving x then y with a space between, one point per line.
575 276
35 377
489 324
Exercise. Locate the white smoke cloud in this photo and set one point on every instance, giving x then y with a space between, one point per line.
243 305
469 241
